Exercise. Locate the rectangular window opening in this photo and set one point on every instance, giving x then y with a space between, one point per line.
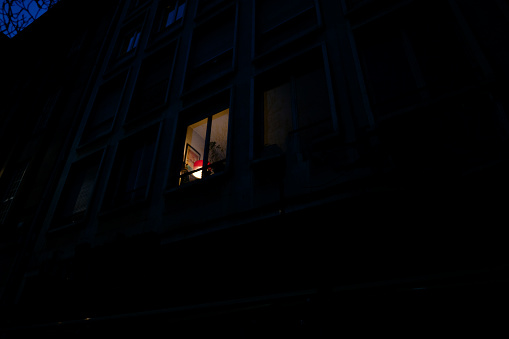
206 142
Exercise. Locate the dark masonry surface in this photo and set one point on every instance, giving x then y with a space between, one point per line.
255 168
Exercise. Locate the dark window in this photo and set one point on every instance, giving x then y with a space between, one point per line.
130 177
206 142
282 20
130 42
209 5
152 84
10 193
212 48
272 13
490 27
411 56
77 192
104 110
296 103
135 4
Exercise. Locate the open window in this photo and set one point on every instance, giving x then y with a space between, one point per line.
205 148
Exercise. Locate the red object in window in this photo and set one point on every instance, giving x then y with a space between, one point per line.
196 166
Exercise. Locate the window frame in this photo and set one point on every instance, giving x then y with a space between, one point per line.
121 77
60 221
201 66
13 185
117 176
286 73
162 24
134 113
205 109
292 24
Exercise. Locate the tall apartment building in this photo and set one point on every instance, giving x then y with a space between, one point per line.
251 168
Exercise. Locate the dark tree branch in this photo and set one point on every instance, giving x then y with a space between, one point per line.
15 15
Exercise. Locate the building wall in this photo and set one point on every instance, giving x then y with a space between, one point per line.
391 138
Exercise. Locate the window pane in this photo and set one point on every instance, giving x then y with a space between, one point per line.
277 115
313 106
194 150
170 18
180 12
85 190
218 140
77 192
137 172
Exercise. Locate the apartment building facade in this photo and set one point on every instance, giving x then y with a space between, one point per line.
247 167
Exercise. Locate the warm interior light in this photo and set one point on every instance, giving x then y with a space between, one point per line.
197 165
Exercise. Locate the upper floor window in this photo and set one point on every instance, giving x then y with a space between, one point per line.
10 191
279 21
212 48
130 42
152 84
295 102
77 192
411 57
104 109
206 142
135 4
172 12
131 173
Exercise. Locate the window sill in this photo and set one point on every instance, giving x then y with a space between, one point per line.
271 156
169 33
119 62
214 82
294 42
198 183
76 225
209 11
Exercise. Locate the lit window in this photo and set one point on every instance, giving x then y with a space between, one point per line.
206 143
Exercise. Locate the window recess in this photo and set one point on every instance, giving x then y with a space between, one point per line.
171 14
212 49
280 21
132 169
152 84
294 102
105 108
10 192
205 147
77 192
129 39
206 6
411 57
